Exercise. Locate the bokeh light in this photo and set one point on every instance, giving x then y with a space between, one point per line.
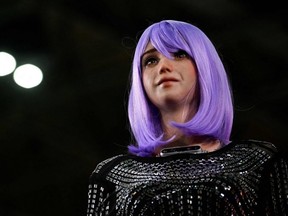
28 76
7 63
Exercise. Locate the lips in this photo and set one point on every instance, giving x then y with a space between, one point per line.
167 79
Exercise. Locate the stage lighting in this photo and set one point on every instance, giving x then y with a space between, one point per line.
28 76
7 63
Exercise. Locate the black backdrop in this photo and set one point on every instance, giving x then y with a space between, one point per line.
52 136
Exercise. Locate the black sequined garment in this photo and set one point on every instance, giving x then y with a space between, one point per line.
244 178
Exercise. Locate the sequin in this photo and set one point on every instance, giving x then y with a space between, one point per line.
245 178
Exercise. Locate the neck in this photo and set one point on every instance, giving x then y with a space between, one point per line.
179 115
206 144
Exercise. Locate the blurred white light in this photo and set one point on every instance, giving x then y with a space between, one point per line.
28 76
7 63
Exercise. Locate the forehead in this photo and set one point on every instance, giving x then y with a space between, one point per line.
149 49
160 48
149 46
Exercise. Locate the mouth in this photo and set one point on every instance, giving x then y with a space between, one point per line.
163 80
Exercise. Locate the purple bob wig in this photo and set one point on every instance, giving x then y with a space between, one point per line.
214 116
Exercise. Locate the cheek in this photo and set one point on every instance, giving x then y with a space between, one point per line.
193 78
192 73
149 87
147 82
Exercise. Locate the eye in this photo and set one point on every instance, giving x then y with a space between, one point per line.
149 61
181 54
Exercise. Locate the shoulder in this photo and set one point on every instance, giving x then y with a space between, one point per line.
257 147
253 147
259 153
263 145
106 165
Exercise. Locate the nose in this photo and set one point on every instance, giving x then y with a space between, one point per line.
165 65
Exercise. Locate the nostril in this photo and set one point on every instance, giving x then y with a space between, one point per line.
166 67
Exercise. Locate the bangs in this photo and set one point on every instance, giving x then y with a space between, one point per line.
167 39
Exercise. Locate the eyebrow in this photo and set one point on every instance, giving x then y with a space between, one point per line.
149 51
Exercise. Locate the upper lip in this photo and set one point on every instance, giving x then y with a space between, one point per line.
165 79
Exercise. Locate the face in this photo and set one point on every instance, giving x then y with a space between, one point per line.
169 83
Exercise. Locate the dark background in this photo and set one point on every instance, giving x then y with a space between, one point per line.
52 136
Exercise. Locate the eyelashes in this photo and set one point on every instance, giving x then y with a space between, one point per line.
181 54
150 61
153 58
